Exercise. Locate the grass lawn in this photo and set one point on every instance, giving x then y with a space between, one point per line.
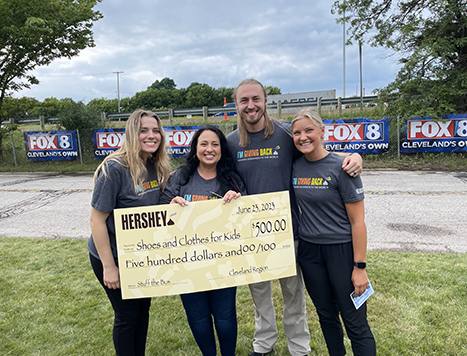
52 304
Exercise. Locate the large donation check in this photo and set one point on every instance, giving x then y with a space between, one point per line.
168 249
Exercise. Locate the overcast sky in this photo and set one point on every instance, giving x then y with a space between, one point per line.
294 45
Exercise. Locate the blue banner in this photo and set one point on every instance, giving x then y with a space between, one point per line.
427 135
178 139
107 141
51 145
359 135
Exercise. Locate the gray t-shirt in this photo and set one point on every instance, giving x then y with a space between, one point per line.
322 189
116 190
265 164
196 189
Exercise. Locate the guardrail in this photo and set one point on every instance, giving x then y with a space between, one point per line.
39 120
337 103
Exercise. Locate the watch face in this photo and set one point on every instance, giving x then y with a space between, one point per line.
360 265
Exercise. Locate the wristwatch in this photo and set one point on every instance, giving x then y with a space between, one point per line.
360 265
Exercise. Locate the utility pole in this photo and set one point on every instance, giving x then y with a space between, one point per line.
361 75
118 89
343 53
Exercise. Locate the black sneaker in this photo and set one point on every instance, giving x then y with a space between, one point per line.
254 353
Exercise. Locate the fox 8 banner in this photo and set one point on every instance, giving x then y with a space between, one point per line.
107 141
360 135
177 139
428 135
51 145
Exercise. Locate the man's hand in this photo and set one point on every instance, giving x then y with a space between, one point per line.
353 164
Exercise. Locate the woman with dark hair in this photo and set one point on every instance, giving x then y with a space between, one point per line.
208 173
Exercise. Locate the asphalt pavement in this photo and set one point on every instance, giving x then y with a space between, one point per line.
405 210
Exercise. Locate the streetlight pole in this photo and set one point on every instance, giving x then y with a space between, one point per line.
118 89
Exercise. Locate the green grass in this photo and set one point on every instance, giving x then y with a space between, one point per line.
52 305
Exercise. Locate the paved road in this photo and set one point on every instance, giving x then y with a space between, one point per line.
406 210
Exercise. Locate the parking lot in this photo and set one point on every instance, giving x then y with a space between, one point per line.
405 210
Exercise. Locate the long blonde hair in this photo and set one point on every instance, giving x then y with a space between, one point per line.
268 124
129 155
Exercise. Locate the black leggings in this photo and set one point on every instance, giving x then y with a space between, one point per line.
327 272
131 317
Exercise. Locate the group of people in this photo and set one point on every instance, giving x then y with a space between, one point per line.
328 218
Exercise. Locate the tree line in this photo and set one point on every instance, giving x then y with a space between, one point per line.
161 94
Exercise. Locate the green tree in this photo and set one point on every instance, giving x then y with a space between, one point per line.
19 108
77 116
270 90
50 107
104 105
221 93
152 99
165 83
35 32
430 36
198 94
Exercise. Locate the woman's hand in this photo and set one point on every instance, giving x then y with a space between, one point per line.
100 236
179 200
353 164
359 280
111 277
231 195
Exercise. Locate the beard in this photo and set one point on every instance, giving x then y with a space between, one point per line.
252 119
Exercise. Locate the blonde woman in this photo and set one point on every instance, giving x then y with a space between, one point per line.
268 172
332 237
130 177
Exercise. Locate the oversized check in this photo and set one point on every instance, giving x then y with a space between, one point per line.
168 249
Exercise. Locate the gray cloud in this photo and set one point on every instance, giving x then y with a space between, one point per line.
296 46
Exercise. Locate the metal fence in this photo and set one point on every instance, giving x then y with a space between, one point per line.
280 110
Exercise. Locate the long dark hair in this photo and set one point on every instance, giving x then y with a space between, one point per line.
227 175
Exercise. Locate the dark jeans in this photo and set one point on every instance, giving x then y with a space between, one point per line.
327 272
201 308
131 317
